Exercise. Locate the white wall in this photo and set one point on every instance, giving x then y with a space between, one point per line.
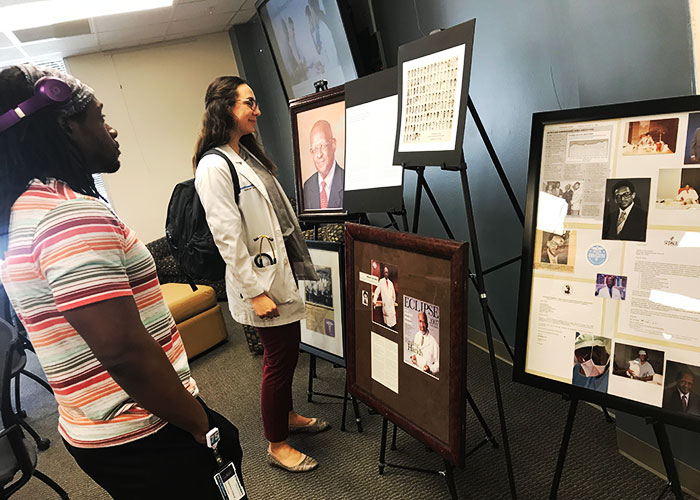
154 97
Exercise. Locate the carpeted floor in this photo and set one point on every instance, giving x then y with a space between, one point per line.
229 378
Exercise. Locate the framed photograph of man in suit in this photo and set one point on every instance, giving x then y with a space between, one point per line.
626 209
318 134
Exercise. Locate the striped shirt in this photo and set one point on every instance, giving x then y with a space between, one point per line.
65 251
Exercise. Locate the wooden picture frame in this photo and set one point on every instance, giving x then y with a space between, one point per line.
323 328
389 361
318 138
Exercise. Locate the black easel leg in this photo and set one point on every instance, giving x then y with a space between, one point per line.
489 336
312 372
434 202
393 438
450 478
419 192
345 409
356 409
404 216
382 449
669 463
562 450
482 421
608 417
496 161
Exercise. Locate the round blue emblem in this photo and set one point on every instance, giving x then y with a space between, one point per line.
597 255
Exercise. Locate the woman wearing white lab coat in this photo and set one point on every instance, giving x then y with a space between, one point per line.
260 241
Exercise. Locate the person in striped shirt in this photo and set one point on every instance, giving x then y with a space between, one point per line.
86 290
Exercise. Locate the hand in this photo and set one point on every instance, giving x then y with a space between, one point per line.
264 307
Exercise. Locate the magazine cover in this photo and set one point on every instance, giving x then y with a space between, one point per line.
421 336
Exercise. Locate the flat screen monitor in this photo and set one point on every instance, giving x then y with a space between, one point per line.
309 43
609 297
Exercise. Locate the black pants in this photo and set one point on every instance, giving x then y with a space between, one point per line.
168 464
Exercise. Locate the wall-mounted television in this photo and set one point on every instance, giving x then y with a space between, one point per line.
309 42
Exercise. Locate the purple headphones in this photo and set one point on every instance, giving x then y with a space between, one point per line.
47 91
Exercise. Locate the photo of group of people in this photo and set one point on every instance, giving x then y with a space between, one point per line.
651 137
430 101
319 303
675 380
571 192
384 295
421 336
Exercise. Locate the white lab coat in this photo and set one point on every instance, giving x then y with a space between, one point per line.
388 296
234 228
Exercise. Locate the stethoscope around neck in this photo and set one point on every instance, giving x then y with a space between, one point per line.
264 259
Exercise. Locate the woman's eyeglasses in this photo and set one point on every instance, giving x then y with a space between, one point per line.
250 102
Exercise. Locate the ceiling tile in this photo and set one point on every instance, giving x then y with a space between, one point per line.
4 41
201 24
9 54
204 8
134 33
131 19
243 16
63 46
248 4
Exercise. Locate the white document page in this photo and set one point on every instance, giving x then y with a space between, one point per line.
385 362
370 132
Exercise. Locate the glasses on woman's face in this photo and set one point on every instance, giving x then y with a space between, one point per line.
250 102
324 146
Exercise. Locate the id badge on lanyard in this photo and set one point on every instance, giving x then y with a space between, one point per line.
226 477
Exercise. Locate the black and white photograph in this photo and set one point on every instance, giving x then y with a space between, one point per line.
322 329
421 336
682 388
385 295
611 286
626 209
556 251
639 362
651 137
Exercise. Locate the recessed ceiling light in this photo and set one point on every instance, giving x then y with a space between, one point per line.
47 12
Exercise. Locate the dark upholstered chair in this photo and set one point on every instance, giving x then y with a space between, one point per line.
17 454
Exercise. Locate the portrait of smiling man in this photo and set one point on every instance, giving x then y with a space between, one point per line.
625 218
324 189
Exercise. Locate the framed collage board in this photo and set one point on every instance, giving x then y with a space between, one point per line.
609 302
406 324
323 327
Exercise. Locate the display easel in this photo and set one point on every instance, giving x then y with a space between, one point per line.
476 277
672 479
310 393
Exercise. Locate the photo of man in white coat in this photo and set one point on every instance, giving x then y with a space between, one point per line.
385 297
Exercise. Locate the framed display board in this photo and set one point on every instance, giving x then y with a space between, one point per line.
609 302
406 323
433 83
318 137
372 182
323 328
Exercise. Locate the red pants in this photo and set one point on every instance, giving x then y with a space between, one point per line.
281 345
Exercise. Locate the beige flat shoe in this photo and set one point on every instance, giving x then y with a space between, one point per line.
307 463
316 425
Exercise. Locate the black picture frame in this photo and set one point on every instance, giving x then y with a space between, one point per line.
437 275
462 34
310 343
303 112
649 108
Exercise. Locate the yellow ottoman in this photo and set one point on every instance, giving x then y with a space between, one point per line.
197 315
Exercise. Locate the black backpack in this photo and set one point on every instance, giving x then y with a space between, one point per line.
188 234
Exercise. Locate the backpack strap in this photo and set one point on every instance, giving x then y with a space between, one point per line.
234 175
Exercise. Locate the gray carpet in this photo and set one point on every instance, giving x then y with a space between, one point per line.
229 378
